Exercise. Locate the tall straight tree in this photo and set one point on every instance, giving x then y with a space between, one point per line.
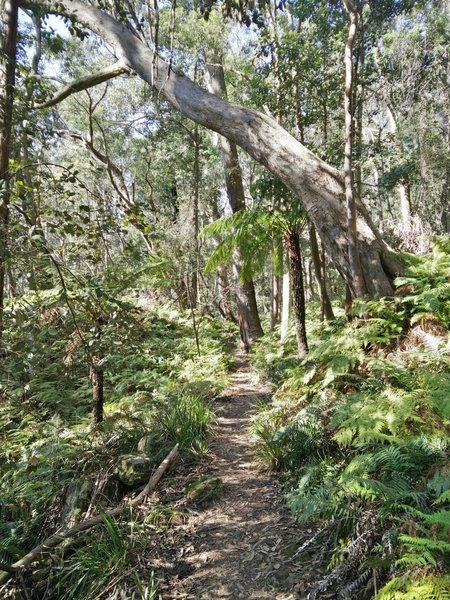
8 42
249 322
319 270
356 280
319 185
298 289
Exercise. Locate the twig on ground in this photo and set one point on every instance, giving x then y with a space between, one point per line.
57 538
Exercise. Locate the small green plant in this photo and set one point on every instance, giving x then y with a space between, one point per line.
412 587
185 420
90 569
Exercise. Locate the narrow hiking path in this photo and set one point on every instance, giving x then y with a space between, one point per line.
240 546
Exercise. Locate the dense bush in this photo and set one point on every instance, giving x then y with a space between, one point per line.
360 429
157 384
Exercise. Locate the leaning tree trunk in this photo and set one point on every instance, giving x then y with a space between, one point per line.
298 290
8 42
249 322
320 186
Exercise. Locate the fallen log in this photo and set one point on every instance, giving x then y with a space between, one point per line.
57 538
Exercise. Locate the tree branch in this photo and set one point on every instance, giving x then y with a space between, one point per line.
88 81
57 538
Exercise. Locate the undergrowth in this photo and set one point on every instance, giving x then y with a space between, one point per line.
158 388
360 429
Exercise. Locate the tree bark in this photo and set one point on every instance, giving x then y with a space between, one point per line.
97 382
320 186
298 290
8 44
285 306
248 316
223 286
356 280
223 283
195 219
319 270
275 300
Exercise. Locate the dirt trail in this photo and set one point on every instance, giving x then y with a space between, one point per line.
240 546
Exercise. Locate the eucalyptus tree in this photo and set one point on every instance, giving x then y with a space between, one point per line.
248 316
274 219
205 43
8 44
319 185
411 147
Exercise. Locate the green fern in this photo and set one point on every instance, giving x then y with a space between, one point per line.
413 587
429 278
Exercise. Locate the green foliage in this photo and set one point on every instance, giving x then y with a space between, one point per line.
185 420
156 386
411 587
428 278
90 569
372 439
256 233
288 445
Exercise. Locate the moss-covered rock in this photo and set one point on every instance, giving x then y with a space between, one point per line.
133 469
204 490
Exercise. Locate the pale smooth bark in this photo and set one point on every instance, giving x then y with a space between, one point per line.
275 299
320 186
86 82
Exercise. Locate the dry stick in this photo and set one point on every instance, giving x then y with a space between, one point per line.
57 538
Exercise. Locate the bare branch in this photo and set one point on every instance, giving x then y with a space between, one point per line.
88 81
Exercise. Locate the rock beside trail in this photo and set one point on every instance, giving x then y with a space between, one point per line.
204 490
133 469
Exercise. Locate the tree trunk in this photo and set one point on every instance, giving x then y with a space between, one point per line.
97 382
195 222
223 283
248 316
356 281
276 294
298 290
405 206
8 42
97 377
286 306
319 185
319 270
223 286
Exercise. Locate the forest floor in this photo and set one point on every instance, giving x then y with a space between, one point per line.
243 545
